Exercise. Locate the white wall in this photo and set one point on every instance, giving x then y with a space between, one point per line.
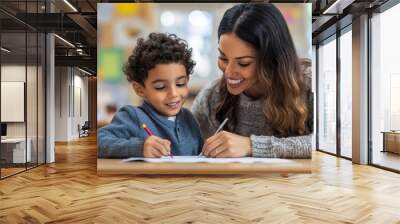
61 103
17 73
71 94
80 109
33 126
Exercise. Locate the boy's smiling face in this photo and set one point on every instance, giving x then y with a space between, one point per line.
166 88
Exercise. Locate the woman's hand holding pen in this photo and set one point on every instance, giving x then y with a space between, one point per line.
226 144
156 147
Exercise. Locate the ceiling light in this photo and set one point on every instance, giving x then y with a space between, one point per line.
337 7
80 51
5 49
64 40
84 71
70 5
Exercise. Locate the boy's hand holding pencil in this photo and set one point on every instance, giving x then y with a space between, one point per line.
155 146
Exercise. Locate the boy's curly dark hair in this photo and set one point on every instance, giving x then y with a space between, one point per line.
159 48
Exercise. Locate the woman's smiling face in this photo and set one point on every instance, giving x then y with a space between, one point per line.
237 60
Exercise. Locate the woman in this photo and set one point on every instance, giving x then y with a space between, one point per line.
263 91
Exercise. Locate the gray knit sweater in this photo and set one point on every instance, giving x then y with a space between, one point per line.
251 122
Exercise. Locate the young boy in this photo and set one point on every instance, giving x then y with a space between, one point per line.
158 70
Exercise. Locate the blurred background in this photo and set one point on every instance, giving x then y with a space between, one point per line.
121 24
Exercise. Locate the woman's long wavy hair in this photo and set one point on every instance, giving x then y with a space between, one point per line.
278 68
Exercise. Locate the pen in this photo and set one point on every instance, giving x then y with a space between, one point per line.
218 129
221 126
149 133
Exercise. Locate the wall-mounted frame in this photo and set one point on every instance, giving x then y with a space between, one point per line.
12 101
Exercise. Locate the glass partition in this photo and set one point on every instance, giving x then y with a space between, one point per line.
31 98
41 96
22 89
13 105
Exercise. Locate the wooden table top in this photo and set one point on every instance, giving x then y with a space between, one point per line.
115 166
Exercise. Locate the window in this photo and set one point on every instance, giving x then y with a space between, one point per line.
327 96
385 88
346 94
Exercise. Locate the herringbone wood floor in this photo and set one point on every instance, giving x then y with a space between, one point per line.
69 191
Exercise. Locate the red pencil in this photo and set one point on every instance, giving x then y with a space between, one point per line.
147 130
149 133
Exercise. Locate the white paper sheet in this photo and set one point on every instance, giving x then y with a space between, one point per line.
202 159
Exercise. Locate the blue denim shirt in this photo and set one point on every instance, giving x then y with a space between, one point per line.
124 136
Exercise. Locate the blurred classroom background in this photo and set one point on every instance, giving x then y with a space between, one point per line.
121 24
